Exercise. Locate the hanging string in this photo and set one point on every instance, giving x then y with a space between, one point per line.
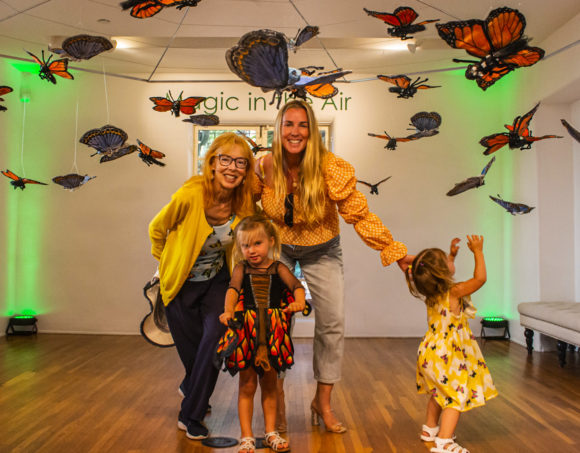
22 142
75 169
106 93
168 44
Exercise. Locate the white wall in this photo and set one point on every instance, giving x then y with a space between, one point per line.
88 254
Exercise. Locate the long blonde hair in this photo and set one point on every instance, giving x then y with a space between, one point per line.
429 275
311 185
242 198
249 228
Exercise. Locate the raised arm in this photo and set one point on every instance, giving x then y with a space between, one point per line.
475 244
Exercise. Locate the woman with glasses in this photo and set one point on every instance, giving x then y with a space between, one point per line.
192 237
303 187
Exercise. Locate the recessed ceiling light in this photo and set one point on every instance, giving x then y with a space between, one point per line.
103 21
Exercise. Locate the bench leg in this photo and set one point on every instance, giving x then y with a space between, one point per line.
529 334
562 352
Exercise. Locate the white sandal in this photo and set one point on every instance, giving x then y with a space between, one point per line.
275 442
432 432
452 447
248 444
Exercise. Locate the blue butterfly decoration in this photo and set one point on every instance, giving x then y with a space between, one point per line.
512 208
261 59
109 141
425 124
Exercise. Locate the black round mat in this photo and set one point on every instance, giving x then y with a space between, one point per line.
220 442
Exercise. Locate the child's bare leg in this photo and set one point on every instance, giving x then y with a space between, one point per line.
247 390
269 388
433 413
449 419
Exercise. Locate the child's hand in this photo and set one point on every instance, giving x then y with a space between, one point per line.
405 262
475 243
294 307
454 248
226 316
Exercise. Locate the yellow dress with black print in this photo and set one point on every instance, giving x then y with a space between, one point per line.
450 365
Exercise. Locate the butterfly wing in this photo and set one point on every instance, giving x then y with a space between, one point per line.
32 181
383 180
494 142
321 79
10 175
161 104
113 155
105 139
5 90
468 35
84 47
504 26
150 152
142 9
363 182
59 68
203 120
187 106
573 132
486 168
402 81
460 187
35 58
305 34
388 18
426 121
260 59
522 124
71 181
406 15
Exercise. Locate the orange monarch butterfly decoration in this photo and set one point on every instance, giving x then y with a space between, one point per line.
404 87
49 69
519 135
18 182
4 90
142 9
150 156
175 106
402 21
498 42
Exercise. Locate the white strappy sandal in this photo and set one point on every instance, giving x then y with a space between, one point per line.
247 444
275 442
447 446
432 432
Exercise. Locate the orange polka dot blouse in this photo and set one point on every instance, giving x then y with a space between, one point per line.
352 205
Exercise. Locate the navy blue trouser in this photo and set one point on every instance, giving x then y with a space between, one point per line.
193 318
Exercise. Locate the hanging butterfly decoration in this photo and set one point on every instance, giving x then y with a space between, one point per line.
82 47
175 106
142 9
402 21
303 35
203 120
109 141
573 132
471 183
5 90
519 135
319 90
404 87
18 182
512 208
425 124
498 42
261 59
374 187
255 147
72 181
49 69
150 156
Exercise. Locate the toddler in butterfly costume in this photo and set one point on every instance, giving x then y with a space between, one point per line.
258 308
450 366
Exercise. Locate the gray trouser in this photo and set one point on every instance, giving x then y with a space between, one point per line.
323 271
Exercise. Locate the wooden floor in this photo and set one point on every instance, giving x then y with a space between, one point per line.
96 394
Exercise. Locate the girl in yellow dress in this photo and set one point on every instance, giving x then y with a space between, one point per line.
450 366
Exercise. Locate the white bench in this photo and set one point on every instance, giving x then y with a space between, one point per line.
559 320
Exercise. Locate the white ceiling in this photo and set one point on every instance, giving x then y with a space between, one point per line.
355 40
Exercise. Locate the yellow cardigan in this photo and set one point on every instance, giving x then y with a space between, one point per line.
177 235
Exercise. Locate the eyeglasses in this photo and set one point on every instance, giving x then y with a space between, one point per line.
289 213
225 160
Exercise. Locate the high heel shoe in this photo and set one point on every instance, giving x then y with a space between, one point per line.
316 415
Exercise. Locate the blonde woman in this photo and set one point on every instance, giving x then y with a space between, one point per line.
192 237
303 187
